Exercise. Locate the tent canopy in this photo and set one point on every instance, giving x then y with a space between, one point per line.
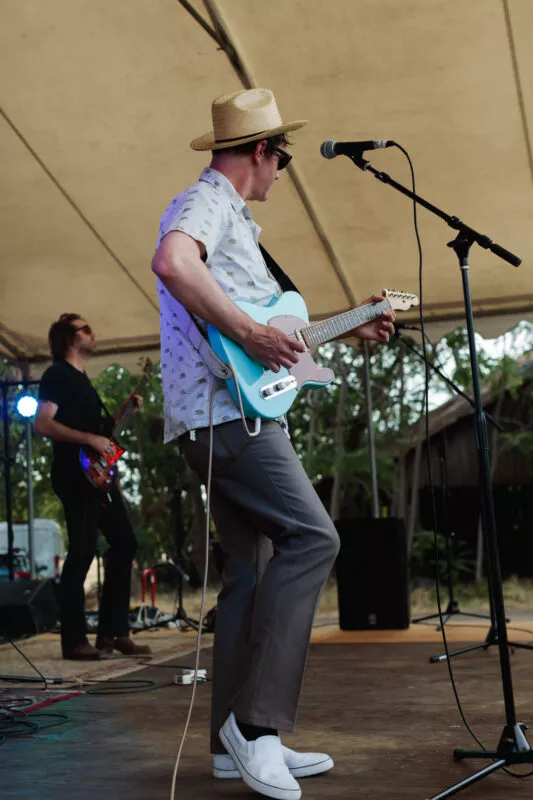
100 100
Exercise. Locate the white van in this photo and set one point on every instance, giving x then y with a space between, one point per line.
48 550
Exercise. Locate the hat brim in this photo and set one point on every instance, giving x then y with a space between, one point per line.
208 142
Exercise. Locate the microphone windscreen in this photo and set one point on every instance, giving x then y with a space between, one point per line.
328 148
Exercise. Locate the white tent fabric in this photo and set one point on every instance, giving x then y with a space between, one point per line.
100 99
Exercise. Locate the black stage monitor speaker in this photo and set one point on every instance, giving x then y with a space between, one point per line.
27 607
372 574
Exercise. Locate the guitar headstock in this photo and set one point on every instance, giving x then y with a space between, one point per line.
400 301
147 366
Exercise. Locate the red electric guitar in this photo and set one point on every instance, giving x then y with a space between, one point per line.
100 470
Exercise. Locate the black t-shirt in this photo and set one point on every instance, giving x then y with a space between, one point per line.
78 407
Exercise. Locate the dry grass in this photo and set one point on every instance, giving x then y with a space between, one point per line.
518 594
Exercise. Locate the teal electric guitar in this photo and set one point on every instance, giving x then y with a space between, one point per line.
270 394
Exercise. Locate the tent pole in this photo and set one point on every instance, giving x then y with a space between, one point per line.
29 479
6 458
221 33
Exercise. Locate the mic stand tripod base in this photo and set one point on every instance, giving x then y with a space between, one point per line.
183 622
491 639
513 748
452 610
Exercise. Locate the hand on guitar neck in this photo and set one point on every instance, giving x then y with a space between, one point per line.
98 463
135 399
273 348
376 330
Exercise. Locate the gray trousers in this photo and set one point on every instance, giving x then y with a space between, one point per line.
279 546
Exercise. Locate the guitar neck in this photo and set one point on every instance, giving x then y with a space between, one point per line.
122 421
320 332
124 418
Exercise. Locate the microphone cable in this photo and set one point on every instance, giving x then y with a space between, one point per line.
430 477
204 591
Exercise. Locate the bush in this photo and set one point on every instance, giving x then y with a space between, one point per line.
424 560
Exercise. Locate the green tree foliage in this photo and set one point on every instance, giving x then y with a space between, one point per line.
165 498
162 493
423 560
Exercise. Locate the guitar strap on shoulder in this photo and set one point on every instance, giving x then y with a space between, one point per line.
278 274
188 326
104 407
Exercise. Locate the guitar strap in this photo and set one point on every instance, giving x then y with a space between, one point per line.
281 277
102 405
189 327
197 338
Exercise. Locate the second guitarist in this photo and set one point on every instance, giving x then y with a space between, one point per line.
71 414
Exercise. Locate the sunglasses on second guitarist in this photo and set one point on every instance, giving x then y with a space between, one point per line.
71 319
85 328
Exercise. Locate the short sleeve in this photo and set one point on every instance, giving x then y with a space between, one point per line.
51 387
198 212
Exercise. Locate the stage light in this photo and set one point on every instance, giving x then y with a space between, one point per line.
26 405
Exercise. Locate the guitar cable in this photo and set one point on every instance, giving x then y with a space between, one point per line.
251 434
204 591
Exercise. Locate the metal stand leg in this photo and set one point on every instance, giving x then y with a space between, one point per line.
452 608
513 747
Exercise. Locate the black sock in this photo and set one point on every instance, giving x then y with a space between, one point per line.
253 732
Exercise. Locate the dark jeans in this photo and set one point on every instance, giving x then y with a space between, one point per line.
85 515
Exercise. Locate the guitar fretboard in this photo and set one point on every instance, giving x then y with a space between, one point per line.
123 421
320 332
128 411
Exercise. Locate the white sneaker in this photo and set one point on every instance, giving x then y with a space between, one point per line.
301 765
260 763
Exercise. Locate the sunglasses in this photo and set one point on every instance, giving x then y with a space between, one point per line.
283 157
85 328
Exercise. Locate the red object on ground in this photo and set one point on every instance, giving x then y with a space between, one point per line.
149 574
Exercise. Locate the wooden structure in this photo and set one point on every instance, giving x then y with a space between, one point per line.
453 457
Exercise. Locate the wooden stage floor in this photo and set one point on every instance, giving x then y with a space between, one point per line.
372 700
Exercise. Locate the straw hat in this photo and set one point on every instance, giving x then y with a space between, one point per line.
241 117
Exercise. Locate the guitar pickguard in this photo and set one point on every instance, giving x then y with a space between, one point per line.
263 393
306 370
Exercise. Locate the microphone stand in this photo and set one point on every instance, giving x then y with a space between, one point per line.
513 747
453 607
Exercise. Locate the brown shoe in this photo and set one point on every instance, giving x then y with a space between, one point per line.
82 652
123 644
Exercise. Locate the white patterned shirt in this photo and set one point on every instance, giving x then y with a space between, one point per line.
212 212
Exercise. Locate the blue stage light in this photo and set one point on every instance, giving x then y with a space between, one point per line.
26 405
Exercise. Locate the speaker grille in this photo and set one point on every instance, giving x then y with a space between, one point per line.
372 574
27 607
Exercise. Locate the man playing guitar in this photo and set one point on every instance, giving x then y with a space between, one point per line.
262 502
72 415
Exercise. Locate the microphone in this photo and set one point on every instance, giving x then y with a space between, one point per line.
332 149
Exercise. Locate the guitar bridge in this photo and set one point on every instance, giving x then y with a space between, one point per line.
278 387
